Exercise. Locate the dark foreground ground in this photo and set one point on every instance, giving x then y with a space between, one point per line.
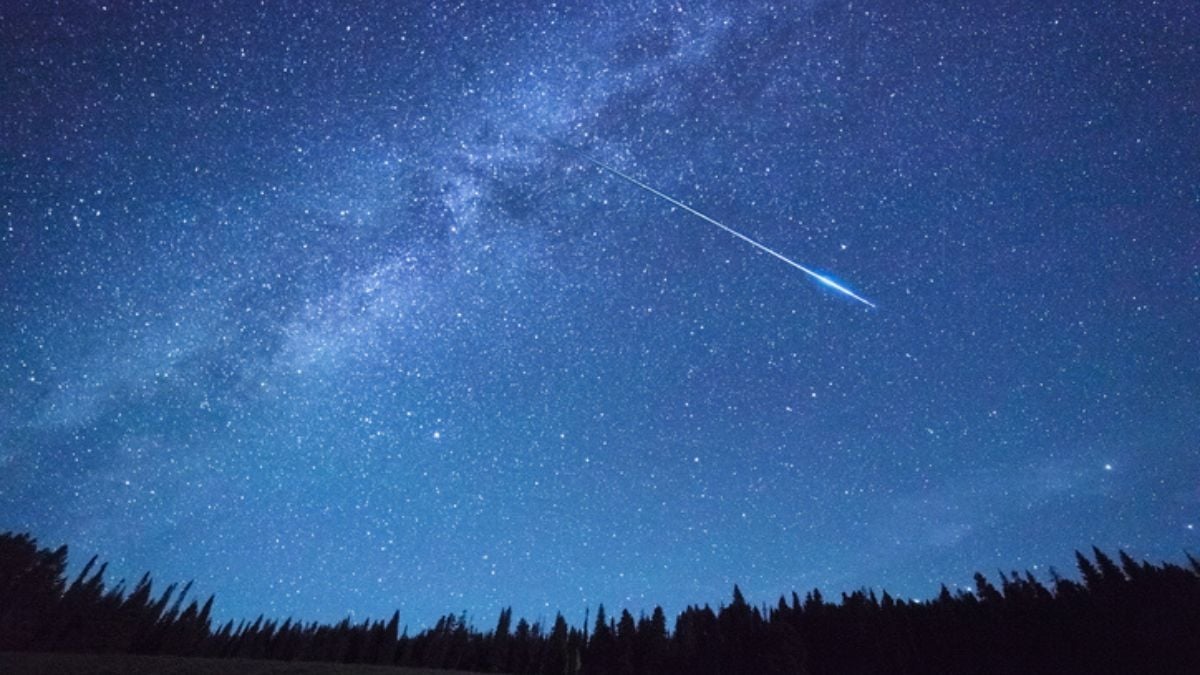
118 664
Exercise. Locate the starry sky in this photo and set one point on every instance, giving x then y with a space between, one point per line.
314 302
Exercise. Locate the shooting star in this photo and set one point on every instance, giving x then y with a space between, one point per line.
824 280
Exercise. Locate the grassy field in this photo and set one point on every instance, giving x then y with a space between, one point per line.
118 664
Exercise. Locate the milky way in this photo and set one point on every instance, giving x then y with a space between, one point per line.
294 303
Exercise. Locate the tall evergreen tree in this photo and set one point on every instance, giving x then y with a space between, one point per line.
555 660
600 655
1091 576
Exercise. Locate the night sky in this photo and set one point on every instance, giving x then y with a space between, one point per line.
313 302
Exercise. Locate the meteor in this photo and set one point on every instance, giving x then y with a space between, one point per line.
824 280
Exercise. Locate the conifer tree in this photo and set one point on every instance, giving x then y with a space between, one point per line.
1091 576
601 648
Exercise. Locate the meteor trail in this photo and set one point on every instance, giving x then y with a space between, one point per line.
815 275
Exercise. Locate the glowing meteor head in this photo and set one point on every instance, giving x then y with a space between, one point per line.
842 289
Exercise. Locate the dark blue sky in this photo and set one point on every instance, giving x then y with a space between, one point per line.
304 302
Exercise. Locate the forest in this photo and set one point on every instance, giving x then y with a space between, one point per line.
1120 616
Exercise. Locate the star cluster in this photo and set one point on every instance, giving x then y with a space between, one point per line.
308 303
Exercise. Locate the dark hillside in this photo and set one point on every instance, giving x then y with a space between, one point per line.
13 663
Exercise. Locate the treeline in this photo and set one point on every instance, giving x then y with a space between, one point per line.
1122 616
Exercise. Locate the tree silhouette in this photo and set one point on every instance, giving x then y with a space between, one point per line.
1125 616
